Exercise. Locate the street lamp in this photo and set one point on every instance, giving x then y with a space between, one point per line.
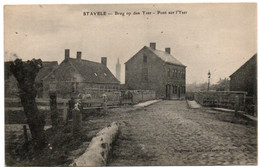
208 79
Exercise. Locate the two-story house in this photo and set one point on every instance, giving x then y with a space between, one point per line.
152 69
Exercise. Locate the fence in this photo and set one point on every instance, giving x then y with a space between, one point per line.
224 99
14 114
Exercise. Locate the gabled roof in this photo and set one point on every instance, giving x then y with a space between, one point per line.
166 57
253 58
92 72
48 67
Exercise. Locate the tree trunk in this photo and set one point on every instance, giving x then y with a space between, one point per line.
35 120
25 74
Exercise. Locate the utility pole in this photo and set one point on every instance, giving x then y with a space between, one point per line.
208 79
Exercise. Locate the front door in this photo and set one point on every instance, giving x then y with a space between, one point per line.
168 92
179 92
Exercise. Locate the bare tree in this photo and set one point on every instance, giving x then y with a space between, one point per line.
25 74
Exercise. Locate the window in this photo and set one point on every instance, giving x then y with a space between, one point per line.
144 59
101 88
169 72
144 74
175 89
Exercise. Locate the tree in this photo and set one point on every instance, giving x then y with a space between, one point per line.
222 85
25 74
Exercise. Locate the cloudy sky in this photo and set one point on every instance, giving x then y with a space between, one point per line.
215 37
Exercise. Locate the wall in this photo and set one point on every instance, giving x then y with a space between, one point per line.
174 80
133 73
143 95
157 74
66 77
245 79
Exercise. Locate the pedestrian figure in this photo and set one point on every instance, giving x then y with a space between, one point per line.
104 96
88 97
77 117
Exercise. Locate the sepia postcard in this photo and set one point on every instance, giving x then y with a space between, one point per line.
156 84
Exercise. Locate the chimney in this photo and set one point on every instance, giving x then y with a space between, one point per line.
104 60
67 53
168 50
79 55
153 45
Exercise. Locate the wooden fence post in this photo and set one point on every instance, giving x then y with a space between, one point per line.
65 112
53 107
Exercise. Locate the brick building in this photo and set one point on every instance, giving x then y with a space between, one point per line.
76 75
245 79
152 69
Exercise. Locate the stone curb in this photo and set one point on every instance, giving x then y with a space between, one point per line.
155 101
99 147
190 105
239 112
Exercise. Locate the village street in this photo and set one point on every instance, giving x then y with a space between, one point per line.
168 133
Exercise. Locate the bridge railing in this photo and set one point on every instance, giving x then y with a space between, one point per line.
223 99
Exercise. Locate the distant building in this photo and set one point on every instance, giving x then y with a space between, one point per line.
11 88
152 69
245 79
76 75
118 70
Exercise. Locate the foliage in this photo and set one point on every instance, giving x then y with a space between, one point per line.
221 85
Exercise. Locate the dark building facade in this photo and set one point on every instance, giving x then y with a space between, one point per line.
76 75
152 69
245 79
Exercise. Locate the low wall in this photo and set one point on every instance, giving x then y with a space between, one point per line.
142 95
189 96
223 99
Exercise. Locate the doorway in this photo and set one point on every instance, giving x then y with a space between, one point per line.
179 92
168 92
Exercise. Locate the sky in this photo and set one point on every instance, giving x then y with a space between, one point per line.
218 37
